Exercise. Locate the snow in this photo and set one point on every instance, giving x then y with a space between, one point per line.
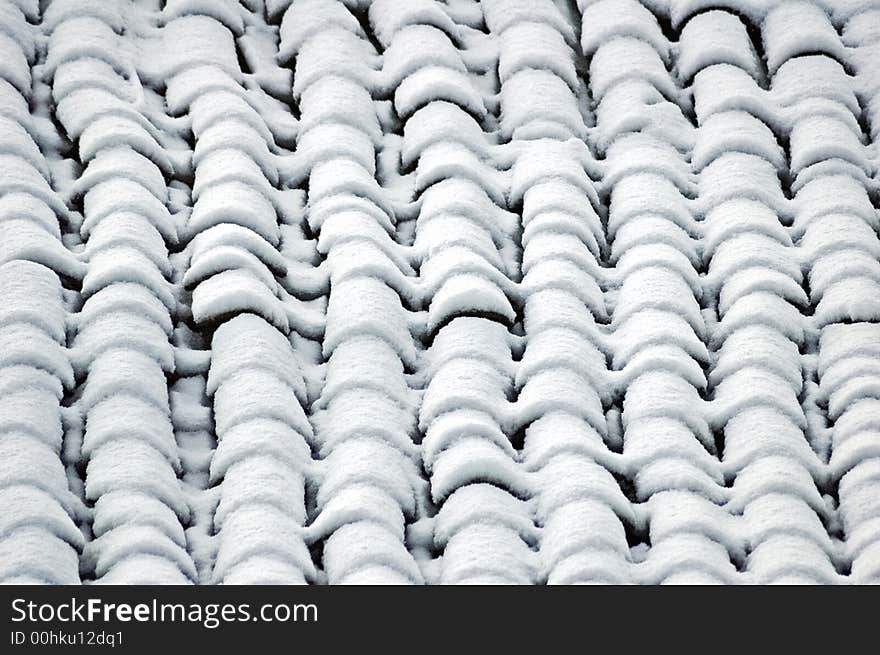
657 444
551 203
65 10
109 130
224 12
222 258
415 47
365 553
306 18
448 428
852 298
758 346
573 397
34 508
553 162
688 558
590 567
336 99
389 18
509 560
832 194
18 176
537 104
795 28
366 306
81 107
441 121
108 199
818 138
634 153
342 176
658 234
27 461
17 141
124 296
518 291
15 67
735 175
237 203
134 542
235 133
665 394
535 45
84 37
122 162
827 79
123 263
681 10
225 235
548 245
607 19
355 244
359 502
351 367
123 415
31 295
473 459
715 37
15 25
483 503
465 384
265 348
467 199
850 451
795 556
271 402
261 474
623 58
568 478
640 193
14 105
33 412
32 555
765 513
725 87
122 330
124 464
453 160
159 60
676 512
252 534
377 416
259 46
267 436
502 14
366 461
114 372
635 105
335 52
583 526
660 288
264 481
738 131
329 141
746 251
432 83
26 344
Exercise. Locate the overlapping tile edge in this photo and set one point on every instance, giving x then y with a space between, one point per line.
512 291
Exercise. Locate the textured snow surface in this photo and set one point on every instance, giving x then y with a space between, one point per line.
439 291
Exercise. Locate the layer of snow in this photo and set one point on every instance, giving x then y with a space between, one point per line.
511 291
